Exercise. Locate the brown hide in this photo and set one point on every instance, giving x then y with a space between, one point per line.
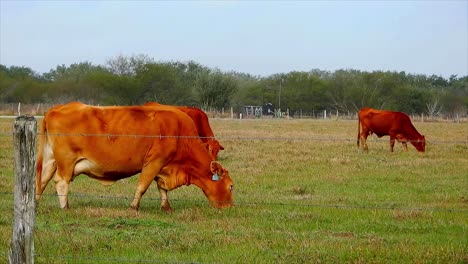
395 124
202 124
110 143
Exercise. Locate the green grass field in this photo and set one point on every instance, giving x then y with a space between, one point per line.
304 194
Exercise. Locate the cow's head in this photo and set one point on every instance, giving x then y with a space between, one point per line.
219 187
213 148
420 143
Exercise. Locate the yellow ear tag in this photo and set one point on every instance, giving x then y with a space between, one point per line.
215 177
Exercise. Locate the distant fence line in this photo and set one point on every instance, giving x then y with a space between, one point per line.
17 109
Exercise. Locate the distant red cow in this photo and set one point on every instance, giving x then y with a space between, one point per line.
395 124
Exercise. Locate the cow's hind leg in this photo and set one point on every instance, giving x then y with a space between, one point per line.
62 186
48 170
364 134
63 177
392 143
364 144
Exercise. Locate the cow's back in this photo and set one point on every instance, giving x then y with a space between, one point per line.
381 122
201 121
119 139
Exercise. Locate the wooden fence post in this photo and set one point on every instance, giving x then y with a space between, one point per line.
24 141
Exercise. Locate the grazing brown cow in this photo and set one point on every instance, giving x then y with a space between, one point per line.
203 127
395 124
111 143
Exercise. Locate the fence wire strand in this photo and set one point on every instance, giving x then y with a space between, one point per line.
100 259
235 138
115 259
257 203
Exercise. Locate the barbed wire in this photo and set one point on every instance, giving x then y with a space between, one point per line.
98 259
115 259
256 203
95 259
259 138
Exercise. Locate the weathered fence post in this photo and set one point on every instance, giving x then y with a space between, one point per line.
24 141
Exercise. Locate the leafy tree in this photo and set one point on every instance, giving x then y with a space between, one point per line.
76 82
19 84
433 106
343 91
188 74
215 89
438 81
304 91
136 79
123 65
159 82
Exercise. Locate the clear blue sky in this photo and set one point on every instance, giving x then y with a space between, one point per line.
256 37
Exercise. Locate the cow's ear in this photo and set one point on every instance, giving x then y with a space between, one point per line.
216 168
221 147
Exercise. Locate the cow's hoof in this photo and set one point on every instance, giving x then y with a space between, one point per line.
166 209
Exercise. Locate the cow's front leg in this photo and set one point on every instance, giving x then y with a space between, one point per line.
403 141
143 184
400 138
165 206
405 146
146 177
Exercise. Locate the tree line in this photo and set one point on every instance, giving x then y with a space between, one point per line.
134 80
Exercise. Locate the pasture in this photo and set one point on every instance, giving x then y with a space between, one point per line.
304 193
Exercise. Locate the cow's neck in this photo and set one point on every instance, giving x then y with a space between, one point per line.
412 133
197 172
196 162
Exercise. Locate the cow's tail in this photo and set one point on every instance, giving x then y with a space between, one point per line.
358 130
40 157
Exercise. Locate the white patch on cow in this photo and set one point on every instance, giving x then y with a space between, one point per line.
47 153
87 167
